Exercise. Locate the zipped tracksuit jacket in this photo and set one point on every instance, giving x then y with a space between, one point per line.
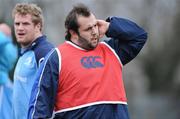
24 75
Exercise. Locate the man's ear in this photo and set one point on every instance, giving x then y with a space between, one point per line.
73 34
38 26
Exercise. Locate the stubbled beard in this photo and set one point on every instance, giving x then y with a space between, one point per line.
24 43
84 43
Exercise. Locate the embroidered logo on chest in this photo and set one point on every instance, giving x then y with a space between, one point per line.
28 61
91 62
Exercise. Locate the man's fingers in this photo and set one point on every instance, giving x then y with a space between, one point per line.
103 27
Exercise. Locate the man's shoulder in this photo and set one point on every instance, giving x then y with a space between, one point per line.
64 45
44 43
42 49
43 46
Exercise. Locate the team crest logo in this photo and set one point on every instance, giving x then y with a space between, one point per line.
28 62
91 62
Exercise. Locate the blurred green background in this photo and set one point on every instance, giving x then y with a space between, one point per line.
152 80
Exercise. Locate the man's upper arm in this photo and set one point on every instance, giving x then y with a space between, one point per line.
127 38
44 90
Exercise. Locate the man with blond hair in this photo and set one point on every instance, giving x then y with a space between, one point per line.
28 23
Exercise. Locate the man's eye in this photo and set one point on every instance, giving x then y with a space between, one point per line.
17 24
25 23
88 29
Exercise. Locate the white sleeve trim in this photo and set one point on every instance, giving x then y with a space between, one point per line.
59 56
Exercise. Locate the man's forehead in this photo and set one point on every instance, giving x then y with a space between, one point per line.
87 21
24 17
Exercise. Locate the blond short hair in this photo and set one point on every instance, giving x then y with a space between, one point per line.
29 8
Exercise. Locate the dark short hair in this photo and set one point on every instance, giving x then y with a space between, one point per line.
71 19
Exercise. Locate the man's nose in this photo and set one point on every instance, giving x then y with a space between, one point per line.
94 31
